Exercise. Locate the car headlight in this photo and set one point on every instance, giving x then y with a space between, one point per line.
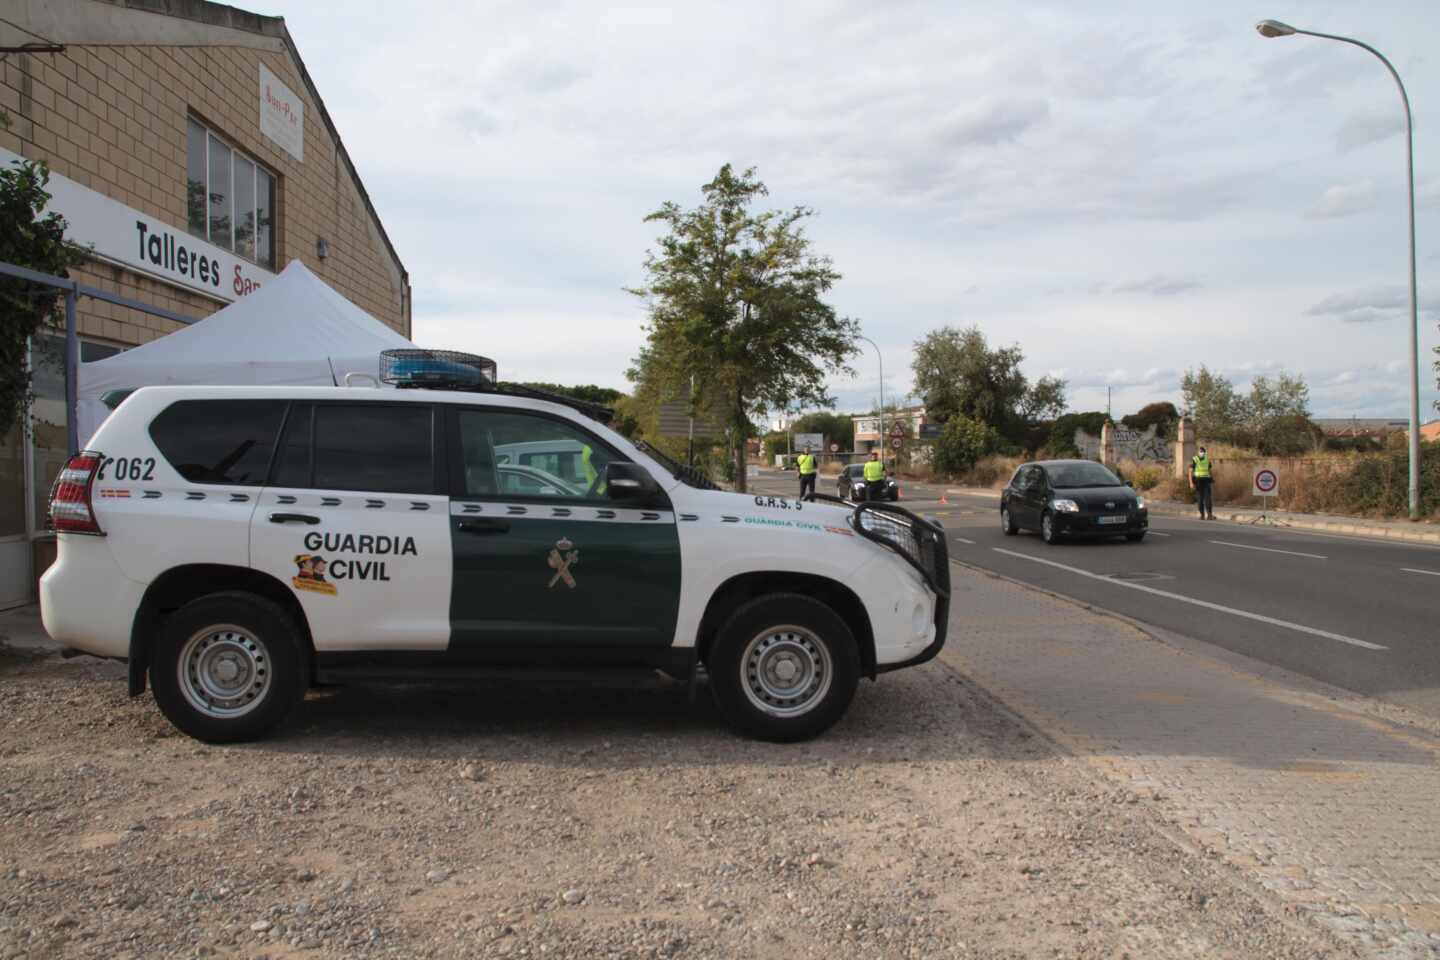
1066 506
1139 503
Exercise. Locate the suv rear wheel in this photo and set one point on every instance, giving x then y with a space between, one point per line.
783 668
228 667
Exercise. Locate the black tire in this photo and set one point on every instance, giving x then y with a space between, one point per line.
1007 521
894 497
260 651
1135 537
798 622
1047 528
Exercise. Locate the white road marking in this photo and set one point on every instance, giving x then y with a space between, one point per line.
1246 546
1273 621
1157 533
1432 573
963 540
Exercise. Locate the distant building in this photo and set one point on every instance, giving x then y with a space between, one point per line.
1430 432
867 427
1375 427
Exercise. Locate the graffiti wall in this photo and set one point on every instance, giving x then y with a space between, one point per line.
1138 445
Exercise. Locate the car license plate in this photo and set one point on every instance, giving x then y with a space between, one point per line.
1119 519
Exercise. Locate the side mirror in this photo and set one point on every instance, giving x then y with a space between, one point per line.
1129 483
629 481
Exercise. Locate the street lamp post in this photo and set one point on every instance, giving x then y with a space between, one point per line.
881 358
1274 28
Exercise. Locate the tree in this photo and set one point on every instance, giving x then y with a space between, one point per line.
835 427
958 375
1275 417
1211 402
586 392
1061 442
31 239
1162 415
734 300
963 441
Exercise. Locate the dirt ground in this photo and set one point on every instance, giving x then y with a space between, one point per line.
424 822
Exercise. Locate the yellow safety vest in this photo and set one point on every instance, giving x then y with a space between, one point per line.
1202 467
874 470
807 463
591 474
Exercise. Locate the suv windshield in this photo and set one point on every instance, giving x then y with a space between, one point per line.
687 475
1081 475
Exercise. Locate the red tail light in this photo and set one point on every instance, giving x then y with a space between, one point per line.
70 509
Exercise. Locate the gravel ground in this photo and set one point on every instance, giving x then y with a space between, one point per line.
423 822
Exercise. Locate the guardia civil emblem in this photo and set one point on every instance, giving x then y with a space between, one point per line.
563 556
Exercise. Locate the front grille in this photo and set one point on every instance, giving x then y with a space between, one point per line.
919 541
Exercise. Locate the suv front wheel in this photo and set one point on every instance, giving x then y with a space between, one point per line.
228 667
783 668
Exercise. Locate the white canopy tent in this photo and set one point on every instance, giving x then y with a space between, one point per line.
295 330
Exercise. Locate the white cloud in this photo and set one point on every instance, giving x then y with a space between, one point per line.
1114 194
1345 200
1159 285
1370 126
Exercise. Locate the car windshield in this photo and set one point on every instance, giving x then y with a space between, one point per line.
690 476
1081 475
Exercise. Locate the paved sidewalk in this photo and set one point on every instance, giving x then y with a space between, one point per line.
1329 801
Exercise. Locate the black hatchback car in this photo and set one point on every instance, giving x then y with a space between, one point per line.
850 485
1072 498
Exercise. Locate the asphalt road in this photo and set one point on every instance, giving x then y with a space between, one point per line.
1361 614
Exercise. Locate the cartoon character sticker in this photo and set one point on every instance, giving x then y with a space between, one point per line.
562 558
310 574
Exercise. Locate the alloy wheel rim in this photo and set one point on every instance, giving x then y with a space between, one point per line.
224 671
1004 518
1049 526
786 671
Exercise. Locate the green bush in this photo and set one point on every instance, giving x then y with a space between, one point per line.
1062 434
962 442
1146 477
1381 483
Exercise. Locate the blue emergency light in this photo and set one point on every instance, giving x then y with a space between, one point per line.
437 369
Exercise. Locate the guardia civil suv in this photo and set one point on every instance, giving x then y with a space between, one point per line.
237 544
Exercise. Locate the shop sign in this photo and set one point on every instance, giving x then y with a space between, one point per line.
153 247
282 115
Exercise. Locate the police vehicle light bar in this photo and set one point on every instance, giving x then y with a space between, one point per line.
437 369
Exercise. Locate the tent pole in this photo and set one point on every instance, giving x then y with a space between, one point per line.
72 375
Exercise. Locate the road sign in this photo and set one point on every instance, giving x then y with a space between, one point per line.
898 431
834 448
897 443
812 440
1266 482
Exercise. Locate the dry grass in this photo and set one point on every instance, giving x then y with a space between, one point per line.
1307 485
992 472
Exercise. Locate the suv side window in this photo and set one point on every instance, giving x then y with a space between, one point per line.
385 448
505 455
219 441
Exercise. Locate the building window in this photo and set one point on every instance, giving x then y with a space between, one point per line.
230 198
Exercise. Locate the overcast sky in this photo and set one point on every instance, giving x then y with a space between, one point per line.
1126 190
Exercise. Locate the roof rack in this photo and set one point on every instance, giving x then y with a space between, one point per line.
415 369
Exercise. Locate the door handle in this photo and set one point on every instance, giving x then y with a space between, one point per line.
483 525
293 518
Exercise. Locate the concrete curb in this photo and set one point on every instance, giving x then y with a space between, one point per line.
1354 528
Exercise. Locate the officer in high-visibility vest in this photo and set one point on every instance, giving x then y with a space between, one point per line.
594 484
806 462
874 477
1200 482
